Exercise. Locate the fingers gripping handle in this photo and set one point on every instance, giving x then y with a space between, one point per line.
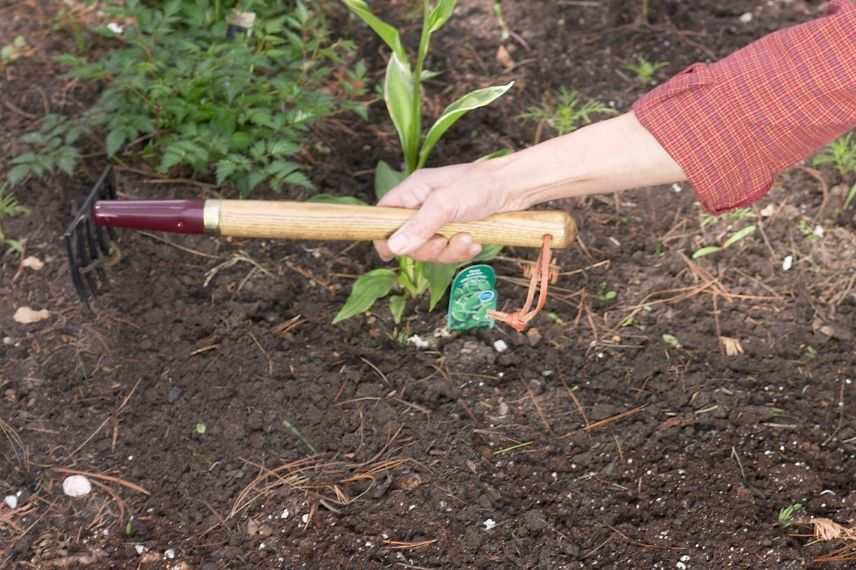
340 222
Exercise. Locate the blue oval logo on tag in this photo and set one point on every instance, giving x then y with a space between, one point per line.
486 296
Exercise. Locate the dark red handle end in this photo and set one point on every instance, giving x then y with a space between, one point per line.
174 216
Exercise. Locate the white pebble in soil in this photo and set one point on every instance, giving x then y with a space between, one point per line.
489 524
746 18
500 345
76 486
11 501
169 554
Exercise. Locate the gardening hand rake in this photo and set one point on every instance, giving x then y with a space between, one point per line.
88 238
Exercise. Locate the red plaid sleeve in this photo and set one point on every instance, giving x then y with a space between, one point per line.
733 125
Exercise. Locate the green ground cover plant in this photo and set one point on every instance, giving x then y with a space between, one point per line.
185 95
402 93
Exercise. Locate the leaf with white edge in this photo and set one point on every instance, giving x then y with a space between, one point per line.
440 14
330 199
439 276
455 111
386 178
745 232
366 290
386 32
397 304
399 92
706 251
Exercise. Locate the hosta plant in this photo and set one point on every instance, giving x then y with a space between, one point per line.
402 92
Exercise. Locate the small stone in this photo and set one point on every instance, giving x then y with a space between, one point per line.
76 486
26 315
500 346
33 263
174 394
489 524
169 554
11 501
418 342
139 548
788 263
8 340
746 18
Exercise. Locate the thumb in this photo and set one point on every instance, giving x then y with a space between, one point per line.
434 213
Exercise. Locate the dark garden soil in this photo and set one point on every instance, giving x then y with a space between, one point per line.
586 444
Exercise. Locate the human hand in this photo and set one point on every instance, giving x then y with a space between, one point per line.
459 193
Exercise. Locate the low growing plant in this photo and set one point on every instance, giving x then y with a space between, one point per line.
9 208
645 71
402 92
186 95
731 241
841 154
565 111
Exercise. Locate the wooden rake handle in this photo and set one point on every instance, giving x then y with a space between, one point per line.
340 222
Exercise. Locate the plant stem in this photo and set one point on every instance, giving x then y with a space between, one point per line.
412 154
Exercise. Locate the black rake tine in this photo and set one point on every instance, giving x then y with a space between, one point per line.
76 277
94 252
83 255
86 243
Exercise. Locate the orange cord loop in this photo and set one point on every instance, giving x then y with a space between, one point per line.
519 320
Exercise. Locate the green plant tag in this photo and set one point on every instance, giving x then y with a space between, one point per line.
472 297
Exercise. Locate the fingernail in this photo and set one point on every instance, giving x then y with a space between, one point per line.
398 244
474 250
466 239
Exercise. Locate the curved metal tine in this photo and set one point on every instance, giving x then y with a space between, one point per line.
108 192
102 238
86 262
94 253
74 267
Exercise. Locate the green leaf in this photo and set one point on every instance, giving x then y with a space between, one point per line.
397 304
386 32
399 92
745 232
455 111
706 251
488 253
297 178
115 140
17 174
386 178
671 340
851 196
225 169
366 290
440 15
439 278
330 199
68 160
496 154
